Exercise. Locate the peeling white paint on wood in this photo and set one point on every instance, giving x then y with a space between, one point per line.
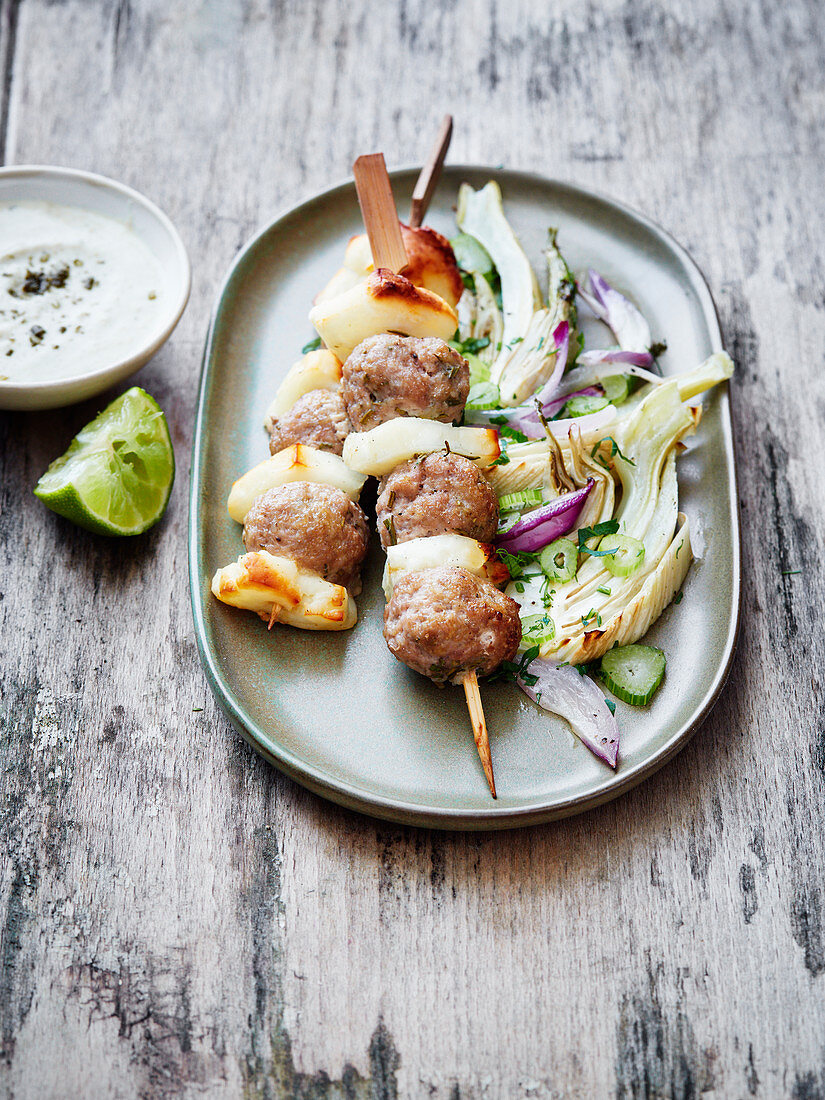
176 919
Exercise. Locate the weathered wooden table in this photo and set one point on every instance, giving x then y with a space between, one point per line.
180 920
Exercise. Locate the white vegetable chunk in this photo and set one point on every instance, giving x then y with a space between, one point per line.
279 590
715 369
416 555
381 449
295 463
382 303
341 281
481 214
637 615
317 370
430 264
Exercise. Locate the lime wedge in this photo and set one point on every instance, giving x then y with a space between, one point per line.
116 476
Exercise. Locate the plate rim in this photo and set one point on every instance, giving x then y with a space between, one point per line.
360 799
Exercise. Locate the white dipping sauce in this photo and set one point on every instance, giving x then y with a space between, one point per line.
78 291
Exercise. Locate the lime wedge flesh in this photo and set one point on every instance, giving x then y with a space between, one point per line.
116 476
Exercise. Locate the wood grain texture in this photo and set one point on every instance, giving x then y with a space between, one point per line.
176 919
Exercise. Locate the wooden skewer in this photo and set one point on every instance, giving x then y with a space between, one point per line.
480 735
381 221
379 213
428 180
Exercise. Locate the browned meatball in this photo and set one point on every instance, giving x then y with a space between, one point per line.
388 376
439 494
445 622
318 419
317 526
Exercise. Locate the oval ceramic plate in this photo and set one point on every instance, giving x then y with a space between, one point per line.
334 710
99 195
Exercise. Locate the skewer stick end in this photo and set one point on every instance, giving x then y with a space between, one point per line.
378 209
428 179
480 735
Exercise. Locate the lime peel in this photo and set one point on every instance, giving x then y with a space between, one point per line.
116 476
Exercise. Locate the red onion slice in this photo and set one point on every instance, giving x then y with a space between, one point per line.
561 335
585 375
558 403
541 526
524 417
631 330
595 305
527 422
614 355
562 690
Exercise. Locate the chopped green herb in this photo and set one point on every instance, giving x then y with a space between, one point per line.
608 527
311 345
502 460
196 709
604 591
611 706
505 430
390 525
516 563
614 450
472 345
576 348
509 670
658 348
547 593
678 597
790 572
515 340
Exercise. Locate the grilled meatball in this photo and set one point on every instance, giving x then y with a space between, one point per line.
388 376
318 419
435 495
317 526
445 622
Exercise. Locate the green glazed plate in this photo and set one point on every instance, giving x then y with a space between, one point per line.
335 711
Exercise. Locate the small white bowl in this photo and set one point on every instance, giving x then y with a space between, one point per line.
99 195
